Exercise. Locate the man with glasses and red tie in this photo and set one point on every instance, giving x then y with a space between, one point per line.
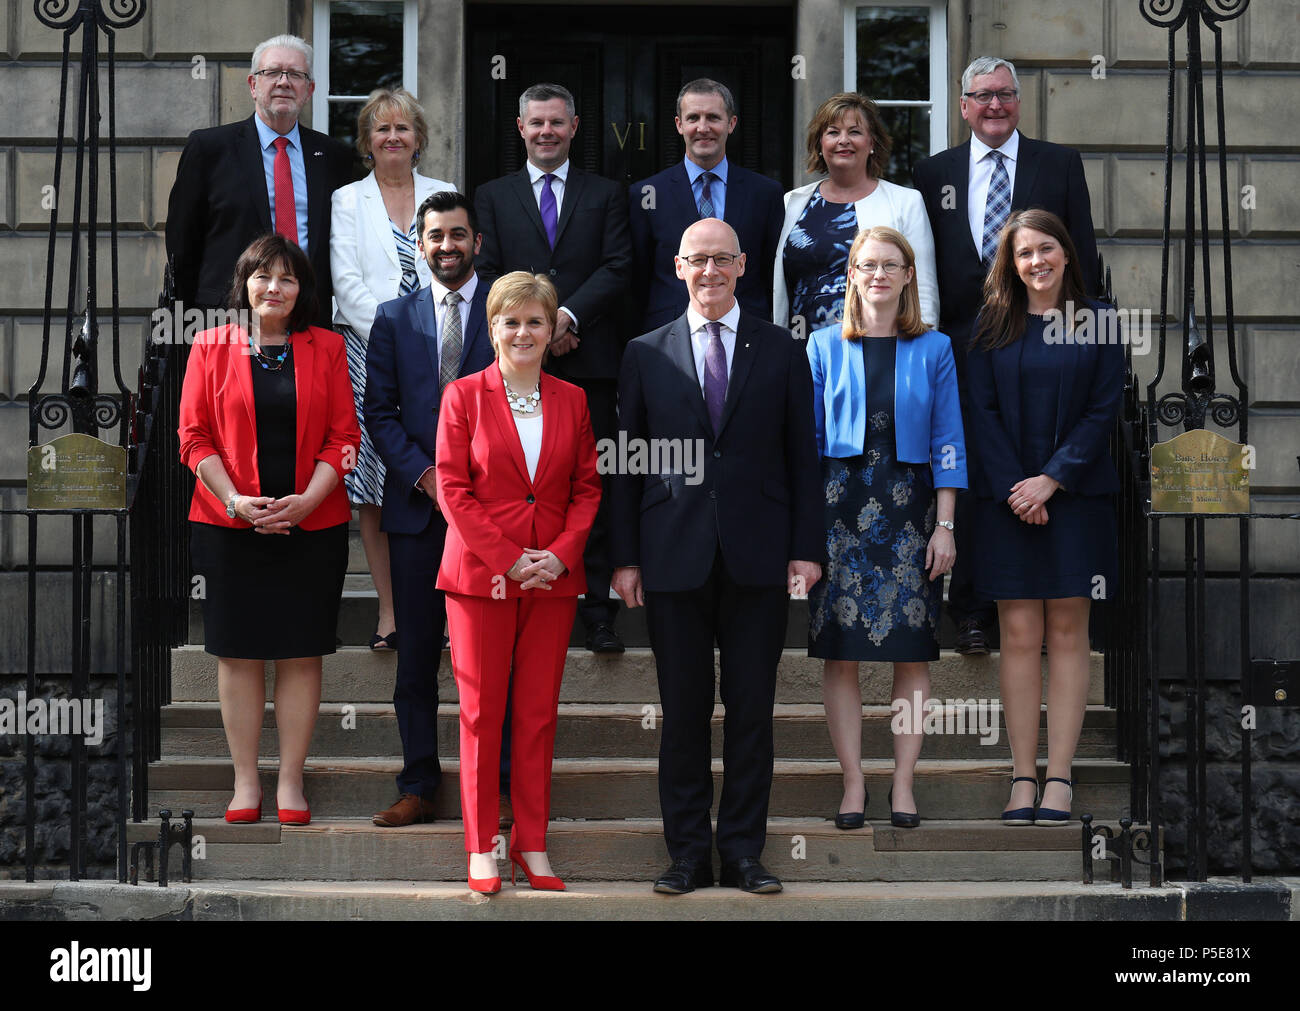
970 190
267 173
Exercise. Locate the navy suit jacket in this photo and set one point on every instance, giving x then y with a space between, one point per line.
754 208
402 397
759 499
1088 399
588 266
219 205
1048 176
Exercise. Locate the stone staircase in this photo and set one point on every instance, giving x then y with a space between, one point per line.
606 838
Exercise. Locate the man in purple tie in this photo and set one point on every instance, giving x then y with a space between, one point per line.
552 218
711 542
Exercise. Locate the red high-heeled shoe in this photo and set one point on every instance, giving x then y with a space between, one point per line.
538 882
289 817
245 815
487 886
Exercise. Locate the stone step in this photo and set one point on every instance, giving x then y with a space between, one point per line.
1004 901
629 788
194 730
356 675
634 850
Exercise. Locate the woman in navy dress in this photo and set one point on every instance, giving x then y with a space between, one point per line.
893 456
1046 375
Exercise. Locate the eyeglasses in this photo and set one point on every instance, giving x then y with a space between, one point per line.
296 76
698 260
1006 96
869 267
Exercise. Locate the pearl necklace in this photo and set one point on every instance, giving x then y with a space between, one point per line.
524 403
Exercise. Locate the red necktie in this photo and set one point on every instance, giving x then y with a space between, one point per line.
286 209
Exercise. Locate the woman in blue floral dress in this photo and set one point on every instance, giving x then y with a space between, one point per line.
893 456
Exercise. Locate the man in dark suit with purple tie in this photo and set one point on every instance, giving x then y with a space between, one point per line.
970 190
552 218
703 185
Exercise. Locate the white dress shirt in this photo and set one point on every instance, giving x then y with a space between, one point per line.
981 174
529 427
700 338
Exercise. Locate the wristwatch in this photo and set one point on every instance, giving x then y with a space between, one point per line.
230 504
946 524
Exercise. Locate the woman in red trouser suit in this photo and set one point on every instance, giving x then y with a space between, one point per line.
518 486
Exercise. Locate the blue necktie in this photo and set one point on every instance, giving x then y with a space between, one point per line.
996 208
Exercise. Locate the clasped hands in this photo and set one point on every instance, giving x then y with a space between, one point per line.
536 568
1028 498
273 515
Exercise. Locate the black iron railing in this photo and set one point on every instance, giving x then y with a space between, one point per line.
146 528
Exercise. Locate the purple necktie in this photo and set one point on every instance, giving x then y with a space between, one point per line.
715 375
548 208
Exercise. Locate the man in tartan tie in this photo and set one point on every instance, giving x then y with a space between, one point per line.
970 190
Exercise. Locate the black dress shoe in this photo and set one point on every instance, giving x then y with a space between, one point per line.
902 819
749 875
971 640
603 639
684 876
853 819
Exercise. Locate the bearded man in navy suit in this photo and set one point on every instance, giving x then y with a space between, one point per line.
970 190
703 185
418 344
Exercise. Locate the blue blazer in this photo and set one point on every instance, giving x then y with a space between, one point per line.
754 209
402 397
1091 387
927 412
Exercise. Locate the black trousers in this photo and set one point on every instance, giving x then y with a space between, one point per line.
420 612
748 624
597 607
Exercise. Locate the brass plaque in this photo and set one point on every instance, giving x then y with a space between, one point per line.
76 472
1199 472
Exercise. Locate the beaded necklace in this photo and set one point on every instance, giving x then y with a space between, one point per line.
265 360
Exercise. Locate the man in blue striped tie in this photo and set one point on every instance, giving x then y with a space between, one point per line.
970 190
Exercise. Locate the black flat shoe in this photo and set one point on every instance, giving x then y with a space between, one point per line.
901 819
749 875
384 643
603 639
684 876
971 639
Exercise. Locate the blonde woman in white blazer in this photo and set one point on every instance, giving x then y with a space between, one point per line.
848 143
374 259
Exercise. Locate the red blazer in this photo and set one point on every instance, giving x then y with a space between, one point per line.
217 415
492 510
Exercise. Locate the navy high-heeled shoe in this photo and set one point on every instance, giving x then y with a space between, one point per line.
1022 815
902 819
1050 815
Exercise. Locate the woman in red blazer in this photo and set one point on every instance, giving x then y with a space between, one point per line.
518 486
268 426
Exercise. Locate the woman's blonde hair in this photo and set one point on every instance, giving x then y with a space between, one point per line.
517 288
910 323
382 104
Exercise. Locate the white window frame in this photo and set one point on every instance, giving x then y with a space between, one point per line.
321 71
940 81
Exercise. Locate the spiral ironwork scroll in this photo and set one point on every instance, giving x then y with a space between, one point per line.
1170 14
103 411
1214 11
54 411
125 13
63 15
58 14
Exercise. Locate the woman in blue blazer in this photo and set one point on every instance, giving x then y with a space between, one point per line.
893 456
1046 374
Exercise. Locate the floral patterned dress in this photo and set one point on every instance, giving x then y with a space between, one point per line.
815 260
876 601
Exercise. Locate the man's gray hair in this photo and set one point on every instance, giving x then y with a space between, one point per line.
707 86
282 42
982 65
544 93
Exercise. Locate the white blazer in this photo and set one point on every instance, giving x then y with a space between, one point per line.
903 210
363 256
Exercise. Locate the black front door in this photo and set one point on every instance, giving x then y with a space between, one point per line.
625 66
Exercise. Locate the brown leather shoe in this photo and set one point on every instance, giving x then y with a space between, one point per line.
408 810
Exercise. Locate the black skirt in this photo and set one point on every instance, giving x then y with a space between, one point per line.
268 596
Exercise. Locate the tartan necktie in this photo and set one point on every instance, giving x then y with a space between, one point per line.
706 195
997 208
452 339
286 208
715 375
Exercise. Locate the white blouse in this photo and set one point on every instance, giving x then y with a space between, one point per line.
530 437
